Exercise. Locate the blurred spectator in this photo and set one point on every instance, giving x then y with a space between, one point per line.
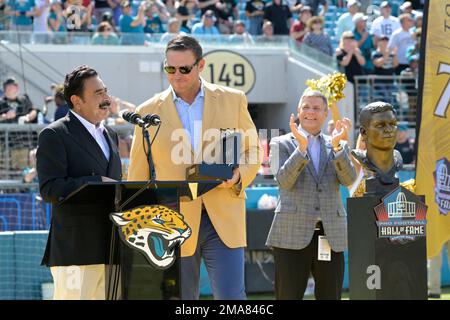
405 144
41 12
78 21
108 17
105 35
280 16
409 84
115 107
254 11
407 7
153 22
163 13
316 38
22 12
267 35
314 5
240 35
413 50
419 20
116 13
15 107
29 174
56 23
226 11
103 6
132 28
401 39
345 21
206 27
171 7
349 56
61 105
125 138
4 16
384 61
384 25
365 40
186 14
206 5
173 29
300 27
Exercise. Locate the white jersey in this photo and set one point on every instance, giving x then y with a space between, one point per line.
384 27
401 40
40 23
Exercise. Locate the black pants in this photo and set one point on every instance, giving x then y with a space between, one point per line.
293 267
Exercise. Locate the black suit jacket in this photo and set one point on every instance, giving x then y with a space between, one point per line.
67 158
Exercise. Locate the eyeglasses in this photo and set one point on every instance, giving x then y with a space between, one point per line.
183 70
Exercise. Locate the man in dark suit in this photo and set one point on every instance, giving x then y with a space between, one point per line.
309 167
72 151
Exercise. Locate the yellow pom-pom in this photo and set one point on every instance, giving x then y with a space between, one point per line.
332 86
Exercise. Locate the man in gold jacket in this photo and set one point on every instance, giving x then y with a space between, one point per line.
192 111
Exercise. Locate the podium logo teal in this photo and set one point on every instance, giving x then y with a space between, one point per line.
156 231
401 216
442 185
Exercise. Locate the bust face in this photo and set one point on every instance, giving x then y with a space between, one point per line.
381 133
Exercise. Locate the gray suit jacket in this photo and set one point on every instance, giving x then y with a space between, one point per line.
306 196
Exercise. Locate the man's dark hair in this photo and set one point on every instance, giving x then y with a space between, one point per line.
183 43
375 107
74 82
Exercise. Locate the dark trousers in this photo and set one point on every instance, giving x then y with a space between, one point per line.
293 267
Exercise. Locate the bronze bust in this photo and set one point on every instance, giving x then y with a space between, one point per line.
378 128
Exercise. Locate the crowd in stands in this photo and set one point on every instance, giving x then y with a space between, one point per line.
362 44
353 39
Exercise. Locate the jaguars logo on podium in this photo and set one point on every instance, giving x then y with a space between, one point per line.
401 216
156 231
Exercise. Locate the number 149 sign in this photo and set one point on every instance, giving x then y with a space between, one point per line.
229 69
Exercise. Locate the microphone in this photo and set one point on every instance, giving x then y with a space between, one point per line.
132 118
152 119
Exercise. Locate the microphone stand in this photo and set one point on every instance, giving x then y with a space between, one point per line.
151 165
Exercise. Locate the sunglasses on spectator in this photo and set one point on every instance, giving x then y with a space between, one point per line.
183 70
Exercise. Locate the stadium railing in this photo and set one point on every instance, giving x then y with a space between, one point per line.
400 91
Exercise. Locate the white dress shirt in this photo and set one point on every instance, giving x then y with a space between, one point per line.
96 132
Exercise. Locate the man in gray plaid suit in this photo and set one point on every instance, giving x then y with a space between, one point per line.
309 167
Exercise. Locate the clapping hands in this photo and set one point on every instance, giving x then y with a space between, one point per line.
299 135
340 132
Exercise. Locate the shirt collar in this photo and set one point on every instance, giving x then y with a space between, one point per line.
319 135
200 94
89 126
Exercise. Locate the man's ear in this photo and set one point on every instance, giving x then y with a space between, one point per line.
201 65
76 100
363 133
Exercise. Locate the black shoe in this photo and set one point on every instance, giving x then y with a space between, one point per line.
434 295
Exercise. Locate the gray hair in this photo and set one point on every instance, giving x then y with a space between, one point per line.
314 93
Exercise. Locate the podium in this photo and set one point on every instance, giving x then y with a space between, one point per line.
131 273
387 245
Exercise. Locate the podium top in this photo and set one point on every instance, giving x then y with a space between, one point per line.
104 192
